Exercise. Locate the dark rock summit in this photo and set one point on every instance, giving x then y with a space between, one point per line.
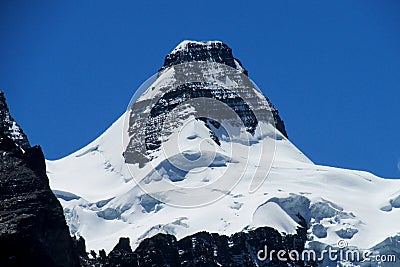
214 51
33 231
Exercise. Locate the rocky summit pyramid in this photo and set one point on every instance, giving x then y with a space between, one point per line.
201 149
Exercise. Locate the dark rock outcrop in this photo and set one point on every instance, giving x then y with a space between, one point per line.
207 249
33 231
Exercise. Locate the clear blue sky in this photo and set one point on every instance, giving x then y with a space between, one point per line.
332 68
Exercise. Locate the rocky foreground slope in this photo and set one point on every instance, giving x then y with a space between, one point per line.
33 231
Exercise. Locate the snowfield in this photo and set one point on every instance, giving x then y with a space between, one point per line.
102 202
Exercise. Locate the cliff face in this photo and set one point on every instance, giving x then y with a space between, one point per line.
33 231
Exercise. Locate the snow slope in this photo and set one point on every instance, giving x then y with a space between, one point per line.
102 201
100 182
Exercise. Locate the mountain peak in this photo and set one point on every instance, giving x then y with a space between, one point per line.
211 51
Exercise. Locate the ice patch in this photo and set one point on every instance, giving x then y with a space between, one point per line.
67 196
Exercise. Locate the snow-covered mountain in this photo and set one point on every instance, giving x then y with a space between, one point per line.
135 180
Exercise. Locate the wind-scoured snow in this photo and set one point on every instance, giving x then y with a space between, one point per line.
184 45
